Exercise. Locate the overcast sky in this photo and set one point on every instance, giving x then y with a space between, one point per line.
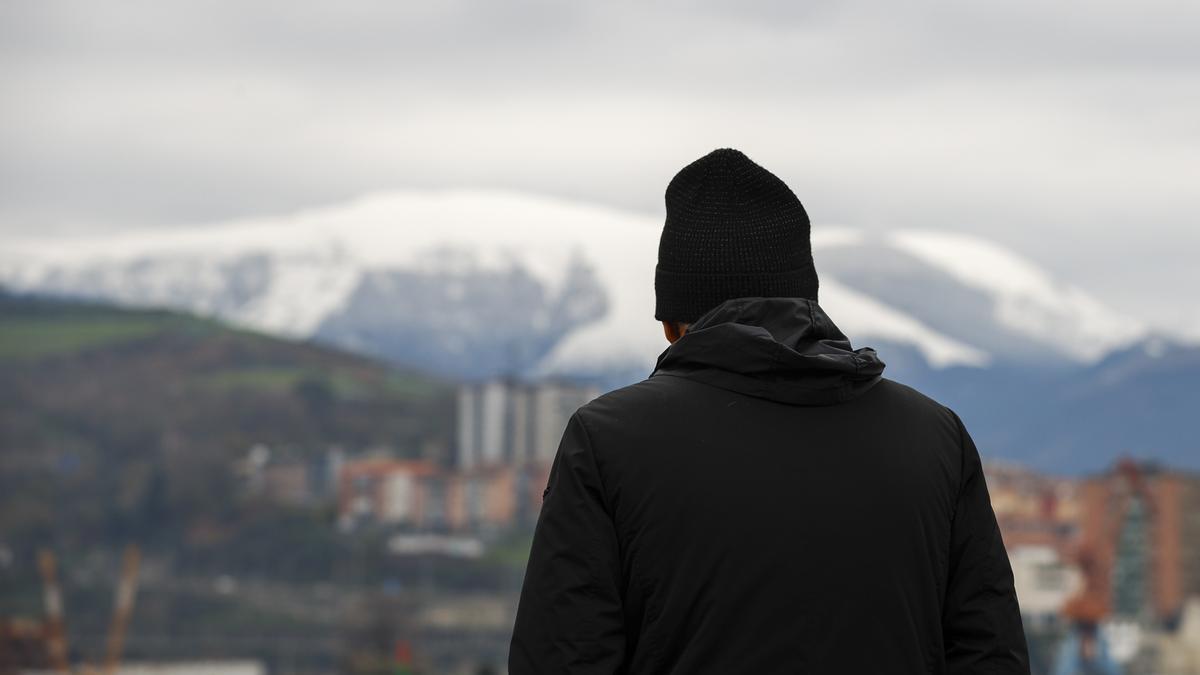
1069 131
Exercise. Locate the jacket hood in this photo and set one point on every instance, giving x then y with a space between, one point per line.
783 349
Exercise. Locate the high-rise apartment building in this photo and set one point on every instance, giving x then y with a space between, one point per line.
505 421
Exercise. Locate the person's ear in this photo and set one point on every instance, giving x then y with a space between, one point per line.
673 330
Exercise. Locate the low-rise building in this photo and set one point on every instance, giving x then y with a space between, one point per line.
383 490
1044 581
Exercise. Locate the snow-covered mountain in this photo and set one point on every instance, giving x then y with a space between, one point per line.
471 283
474 282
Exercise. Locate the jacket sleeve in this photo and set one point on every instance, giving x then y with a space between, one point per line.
981 621
569 616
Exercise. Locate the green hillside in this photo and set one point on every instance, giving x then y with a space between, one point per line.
119 423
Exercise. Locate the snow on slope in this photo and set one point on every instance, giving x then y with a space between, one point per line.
287 274
857 314
314 259
612 342
1027 299
629 334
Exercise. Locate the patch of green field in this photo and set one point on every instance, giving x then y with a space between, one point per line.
33 338
408 386
270 379
341 384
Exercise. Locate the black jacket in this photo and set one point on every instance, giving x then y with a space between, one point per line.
766 502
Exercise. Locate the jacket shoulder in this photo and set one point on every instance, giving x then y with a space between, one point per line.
640 411
911 399
917 410
904 414
646 398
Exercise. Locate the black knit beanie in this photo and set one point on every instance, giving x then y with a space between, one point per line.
733 230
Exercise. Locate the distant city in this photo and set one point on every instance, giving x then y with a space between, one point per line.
507 433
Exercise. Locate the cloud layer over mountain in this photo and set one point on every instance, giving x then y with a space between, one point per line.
1066 133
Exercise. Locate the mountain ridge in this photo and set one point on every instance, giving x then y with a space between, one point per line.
479 282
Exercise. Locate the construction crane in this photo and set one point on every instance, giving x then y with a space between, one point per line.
56 635
52 599
122 609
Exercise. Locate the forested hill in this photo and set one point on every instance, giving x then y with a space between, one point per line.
139 417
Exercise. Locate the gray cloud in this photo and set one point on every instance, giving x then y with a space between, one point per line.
1068 132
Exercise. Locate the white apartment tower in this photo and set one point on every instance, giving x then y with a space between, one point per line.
505 421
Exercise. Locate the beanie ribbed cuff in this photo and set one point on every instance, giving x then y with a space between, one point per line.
685 296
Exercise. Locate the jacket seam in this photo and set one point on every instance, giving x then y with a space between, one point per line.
653 610
591 451
591 448
959 482
944 578
962 452
643 639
